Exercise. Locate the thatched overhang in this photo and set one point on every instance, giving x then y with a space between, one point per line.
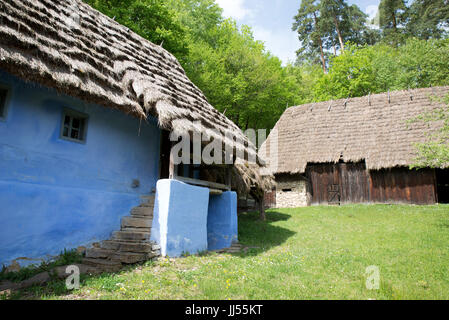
69 46
373 128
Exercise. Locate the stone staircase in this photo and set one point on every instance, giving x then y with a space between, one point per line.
130 245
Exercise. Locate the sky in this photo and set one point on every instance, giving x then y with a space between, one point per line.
272 20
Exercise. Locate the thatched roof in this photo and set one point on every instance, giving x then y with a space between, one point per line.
69 46
368 128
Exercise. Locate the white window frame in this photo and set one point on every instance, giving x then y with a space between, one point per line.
74 114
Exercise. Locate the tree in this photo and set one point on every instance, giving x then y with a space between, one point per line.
392 16
307 25
240 78
198 16
355 29
364 69
428 19
334 11
151 19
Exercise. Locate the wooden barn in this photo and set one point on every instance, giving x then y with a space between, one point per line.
355 150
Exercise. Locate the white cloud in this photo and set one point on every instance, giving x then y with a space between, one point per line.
280 43
234 9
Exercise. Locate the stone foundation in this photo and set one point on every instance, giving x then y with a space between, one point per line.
291 192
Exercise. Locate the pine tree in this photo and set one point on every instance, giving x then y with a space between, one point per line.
307 24
428 19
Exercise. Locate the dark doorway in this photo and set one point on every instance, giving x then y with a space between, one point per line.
164 161
443 185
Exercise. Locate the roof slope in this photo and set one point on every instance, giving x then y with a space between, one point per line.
73 48
369 128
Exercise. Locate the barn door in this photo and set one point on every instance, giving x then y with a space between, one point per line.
325 183
333 188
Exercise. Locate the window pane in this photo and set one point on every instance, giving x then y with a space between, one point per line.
76 123
74 134
67 120
73 126
82 129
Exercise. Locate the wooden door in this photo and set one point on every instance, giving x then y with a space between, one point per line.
338 183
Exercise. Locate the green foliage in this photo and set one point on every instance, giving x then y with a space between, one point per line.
306 24
240 78
351 74
428 19
67 257
364 69
152 19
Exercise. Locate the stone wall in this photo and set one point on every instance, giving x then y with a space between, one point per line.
291 192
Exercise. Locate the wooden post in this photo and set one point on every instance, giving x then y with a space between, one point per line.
172 168
229 177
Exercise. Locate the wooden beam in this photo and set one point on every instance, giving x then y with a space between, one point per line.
202 183
216 192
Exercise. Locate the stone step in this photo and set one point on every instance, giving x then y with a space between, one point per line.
99 253
128 246
131 235
103 264
130 257
147 201
129 229
142 211
135 222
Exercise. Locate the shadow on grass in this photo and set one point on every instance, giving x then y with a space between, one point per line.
260 236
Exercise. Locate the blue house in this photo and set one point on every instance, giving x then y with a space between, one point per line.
86 108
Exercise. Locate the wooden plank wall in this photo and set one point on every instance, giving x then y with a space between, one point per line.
320 176
357 185
403 185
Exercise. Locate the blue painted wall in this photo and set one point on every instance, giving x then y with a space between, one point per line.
180 218
222 221
56 194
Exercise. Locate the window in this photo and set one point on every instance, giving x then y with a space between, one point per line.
74 126
4 93
287 190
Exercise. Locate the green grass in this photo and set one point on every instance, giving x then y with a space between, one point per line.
307 253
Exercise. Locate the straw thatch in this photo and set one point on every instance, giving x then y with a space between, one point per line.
374 128
69 46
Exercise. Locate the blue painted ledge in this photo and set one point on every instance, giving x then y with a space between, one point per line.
222 221
180 218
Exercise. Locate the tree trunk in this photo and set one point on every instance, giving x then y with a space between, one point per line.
395 26
262 208
323 62
340 38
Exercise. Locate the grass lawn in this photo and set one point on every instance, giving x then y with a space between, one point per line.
306 253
